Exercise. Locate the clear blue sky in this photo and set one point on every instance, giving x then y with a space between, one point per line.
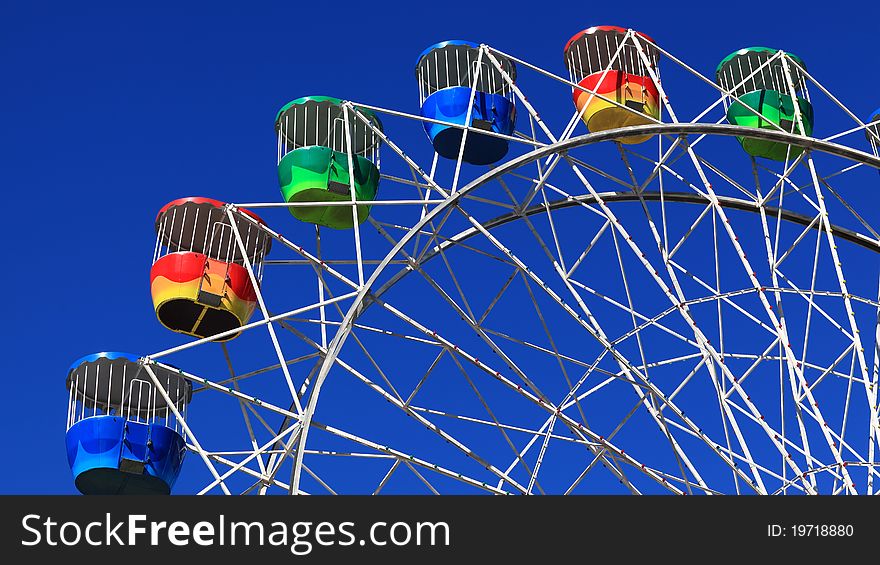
111 109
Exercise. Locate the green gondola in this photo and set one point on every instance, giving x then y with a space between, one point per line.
313 160
763 98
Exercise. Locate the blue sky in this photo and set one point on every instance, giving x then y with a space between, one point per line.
110 110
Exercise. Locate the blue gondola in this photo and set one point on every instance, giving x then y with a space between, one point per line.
445 73
122 438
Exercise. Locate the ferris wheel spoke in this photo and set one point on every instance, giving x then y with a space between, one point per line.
517 457
491 306
321 284
442 241
278 452
776 262
680 456
424 201
763 357
585 165
688 484
570 397
800 69
857 342
729 418
841 171
807 296
322 351
727 178
240 377
518 93
443 351
318 479
600 454
252 488
376 366
559 256
848 206
559 357
272 432
434 238
508 427
421 477
387 476
427 192
589 248
502 205
852 367
533 479
539 184
244 412
363 327
461 294
847 350
261 479
687 234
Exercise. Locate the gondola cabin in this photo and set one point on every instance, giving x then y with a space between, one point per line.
199 280
122 435
614 85
448 74
760 94
315 171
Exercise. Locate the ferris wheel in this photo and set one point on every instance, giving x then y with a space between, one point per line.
676 291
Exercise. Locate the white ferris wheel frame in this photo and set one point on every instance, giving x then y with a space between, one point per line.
290 440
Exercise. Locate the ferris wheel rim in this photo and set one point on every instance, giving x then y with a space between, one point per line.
728 202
